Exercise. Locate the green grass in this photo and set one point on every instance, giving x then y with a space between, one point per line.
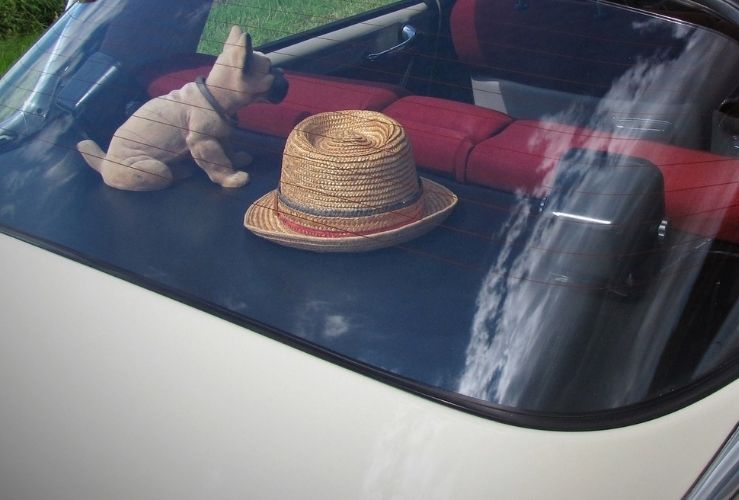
27 16
269 20
266 20
12 47
21 23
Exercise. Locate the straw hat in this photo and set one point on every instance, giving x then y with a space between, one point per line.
348 184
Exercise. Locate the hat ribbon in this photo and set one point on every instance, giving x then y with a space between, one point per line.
310 231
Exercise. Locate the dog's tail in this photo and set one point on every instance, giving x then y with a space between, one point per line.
91 152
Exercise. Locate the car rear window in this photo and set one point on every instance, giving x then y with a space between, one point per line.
527 210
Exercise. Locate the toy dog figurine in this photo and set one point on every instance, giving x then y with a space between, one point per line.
190 121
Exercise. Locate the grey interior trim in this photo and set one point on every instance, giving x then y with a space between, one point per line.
314 45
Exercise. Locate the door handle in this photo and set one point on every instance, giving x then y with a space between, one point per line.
407 33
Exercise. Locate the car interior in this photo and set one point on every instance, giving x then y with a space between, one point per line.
526 100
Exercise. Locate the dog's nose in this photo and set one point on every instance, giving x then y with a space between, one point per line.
279 88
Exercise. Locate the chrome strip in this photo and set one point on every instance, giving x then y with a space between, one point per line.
720 480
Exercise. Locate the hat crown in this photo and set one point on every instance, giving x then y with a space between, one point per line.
350 164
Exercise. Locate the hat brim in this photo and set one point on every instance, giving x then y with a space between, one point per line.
261 219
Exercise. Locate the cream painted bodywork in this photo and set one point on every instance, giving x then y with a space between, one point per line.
143 397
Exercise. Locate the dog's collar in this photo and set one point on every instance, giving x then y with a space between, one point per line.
200 81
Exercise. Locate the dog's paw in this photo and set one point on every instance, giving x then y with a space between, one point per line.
235 180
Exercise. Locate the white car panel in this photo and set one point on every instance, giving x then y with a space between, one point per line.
111 391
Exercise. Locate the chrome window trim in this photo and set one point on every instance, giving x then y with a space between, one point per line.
721 478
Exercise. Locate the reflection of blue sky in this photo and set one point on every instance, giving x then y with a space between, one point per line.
43 167
724 344
510 358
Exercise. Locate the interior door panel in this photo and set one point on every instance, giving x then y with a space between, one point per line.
345 50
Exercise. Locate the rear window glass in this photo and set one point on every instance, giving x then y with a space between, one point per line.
529 210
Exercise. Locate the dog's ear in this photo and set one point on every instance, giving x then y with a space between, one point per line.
234 35
249 53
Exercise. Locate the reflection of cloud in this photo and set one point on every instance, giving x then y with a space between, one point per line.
668 86
507 325
679 88
335 326
319 319
487 353
545 346
523 333
679 30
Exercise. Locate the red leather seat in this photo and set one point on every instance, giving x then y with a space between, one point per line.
443 132
308 94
